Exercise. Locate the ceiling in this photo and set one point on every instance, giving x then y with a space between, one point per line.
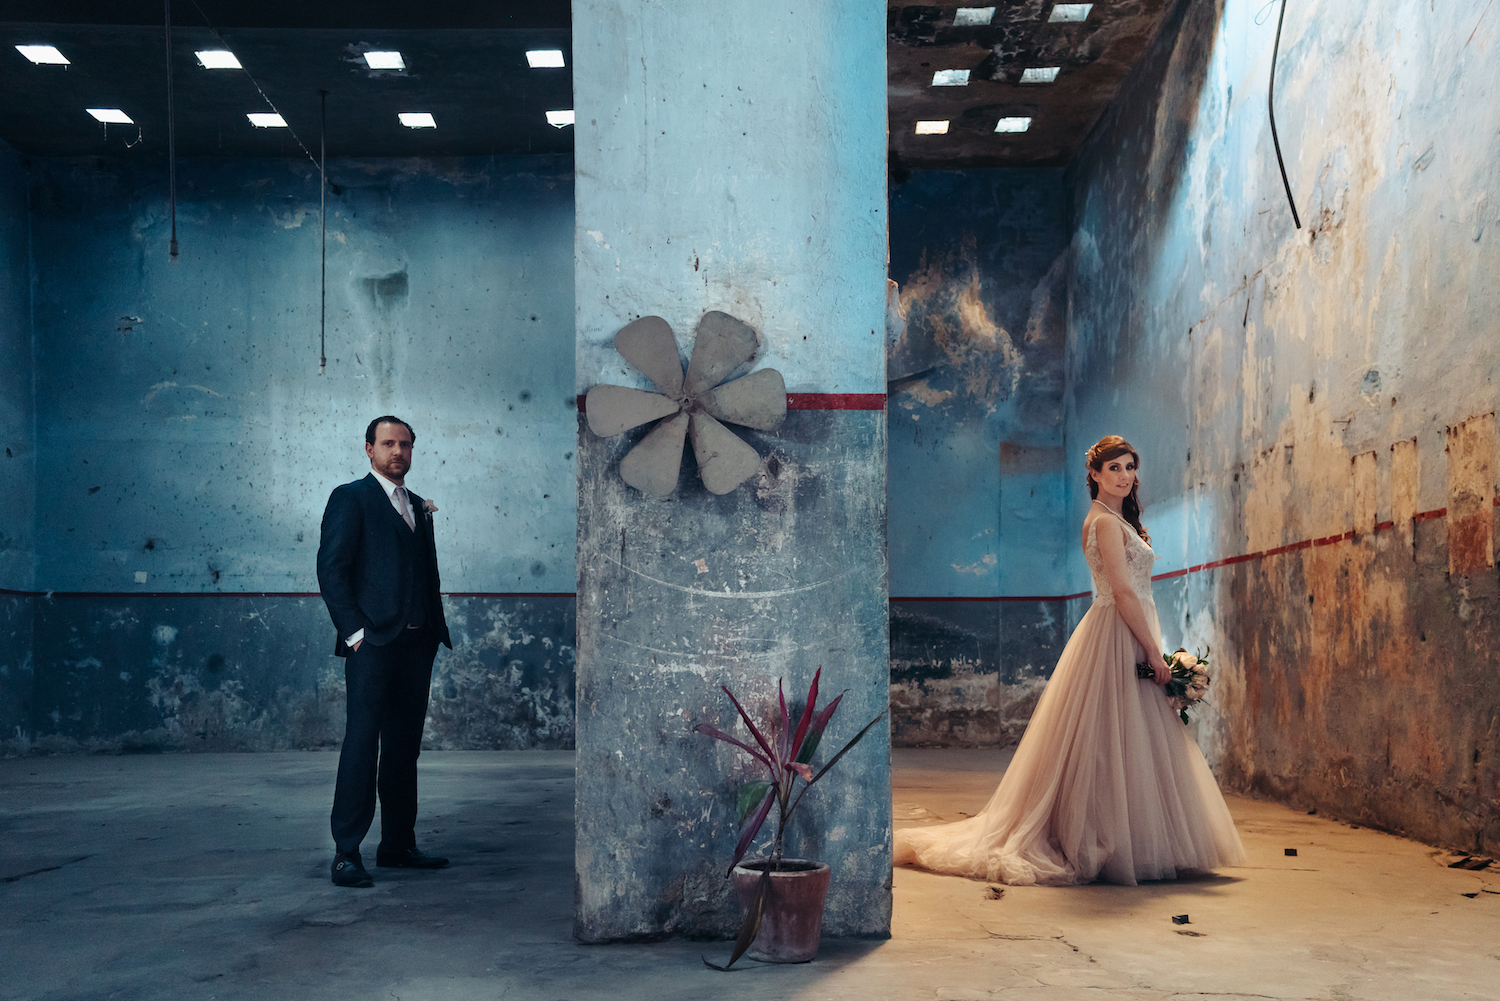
1092 58
466 66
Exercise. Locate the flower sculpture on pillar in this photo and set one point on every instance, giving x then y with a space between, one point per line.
690 405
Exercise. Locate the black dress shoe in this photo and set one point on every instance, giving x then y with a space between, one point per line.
407 858
349 870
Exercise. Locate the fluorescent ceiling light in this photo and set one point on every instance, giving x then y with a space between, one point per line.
932 128
544 58
560 119
266 120
966 17
1040 74
218 59
1070 12
417 120
111 116
950 78
1013 125
43 55
385 61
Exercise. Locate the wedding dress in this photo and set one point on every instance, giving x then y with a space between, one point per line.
1106 783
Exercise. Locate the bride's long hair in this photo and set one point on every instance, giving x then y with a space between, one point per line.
1109 447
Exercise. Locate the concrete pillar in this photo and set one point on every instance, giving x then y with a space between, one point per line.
731 156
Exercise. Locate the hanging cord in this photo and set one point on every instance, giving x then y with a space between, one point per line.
171 135
323 234
1271 108
253 82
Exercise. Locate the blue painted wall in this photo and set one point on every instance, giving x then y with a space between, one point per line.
1317 388
731 156
18 461
187 439
975 362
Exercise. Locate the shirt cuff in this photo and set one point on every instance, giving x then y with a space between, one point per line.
359 634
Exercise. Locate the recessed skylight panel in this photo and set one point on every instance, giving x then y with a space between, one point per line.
932 128
539 59
417 119
43 55
560 119
266 120
1065 12
1013 125
950 78
111 116
218 59
385 61
1040 74
968 17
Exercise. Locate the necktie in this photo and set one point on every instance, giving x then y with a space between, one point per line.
405 508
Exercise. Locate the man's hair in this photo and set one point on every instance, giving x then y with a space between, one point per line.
387 419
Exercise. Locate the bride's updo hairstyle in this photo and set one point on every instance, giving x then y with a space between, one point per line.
1109 447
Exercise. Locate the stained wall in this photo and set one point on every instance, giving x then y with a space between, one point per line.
187 439
18 463
975 364
731 157
1314 407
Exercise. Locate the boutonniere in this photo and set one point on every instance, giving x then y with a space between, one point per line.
429 507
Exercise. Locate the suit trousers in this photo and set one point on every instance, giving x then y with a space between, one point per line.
388 688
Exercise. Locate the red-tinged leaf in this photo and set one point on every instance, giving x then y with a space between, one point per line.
747 836
750 724
832 761
803 769
815 731
783 735
808 709
845 749
751 926
717 734
751 793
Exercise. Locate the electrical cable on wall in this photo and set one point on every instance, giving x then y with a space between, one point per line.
323 233
171 135
1271 107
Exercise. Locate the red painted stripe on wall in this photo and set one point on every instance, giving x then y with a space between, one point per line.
811 401
835 401
1327 540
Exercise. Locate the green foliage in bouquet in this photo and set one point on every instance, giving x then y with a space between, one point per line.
1189 681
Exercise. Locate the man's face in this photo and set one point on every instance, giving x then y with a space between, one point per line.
390 456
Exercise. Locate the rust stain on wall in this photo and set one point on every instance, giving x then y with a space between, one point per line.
1471 495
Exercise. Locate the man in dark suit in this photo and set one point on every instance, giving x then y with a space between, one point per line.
378 573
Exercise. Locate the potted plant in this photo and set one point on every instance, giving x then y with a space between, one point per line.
783 898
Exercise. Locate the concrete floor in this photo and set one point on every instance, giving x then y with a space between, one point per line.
205 876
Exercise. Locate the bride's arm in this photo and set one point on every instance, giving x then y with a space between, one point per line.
1111 540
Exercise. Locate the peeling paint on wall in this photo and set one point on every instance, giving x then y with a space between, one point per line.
1290 393
1471 495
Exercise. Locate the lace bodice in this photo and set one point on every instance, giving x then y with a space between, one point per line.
1139 559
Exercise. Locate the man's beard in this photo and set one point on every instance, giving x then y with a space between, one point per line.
395 469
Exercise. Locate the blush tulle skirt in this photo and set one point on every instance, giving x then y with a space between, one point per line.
1106 783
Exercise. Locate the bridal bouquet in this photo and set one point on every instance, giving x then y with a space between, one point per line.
1189 682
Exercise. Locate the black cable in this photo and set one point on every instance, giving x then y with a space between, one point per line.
254 83
323 234
1271 107
171 134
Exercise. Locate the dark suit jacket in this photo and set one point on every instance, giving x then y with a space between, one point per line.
365 559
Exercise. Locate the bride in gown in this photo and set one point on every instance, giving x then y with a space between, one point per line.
1106 783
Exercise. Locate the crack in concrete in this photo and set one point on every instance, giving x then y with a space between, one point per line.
37 872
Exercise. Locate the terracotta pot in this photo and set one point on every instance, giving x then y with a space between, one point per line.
792 921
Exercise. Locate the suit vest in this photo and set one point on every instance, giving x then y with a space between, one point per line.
418 611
